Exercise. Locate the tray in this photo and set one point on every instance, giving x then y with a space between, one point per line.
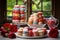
32 37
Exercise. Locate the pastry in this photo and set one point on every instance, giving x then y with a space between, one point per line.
36 19
27 31
41 33
30 21
20 31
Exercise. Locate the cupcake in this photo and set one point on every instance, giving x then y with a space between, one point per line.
25 32
20 31
35 32
41 33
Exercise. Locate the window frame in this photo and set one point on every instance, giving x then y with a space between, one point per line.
3 11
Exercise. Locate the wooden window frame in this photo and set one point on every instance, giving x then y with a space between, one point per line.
3 11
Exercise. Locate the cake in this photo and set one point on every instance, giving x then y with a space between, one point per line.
20 31
18 14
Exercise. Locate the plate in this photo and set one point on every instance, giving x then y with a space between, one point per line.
32 37
37 26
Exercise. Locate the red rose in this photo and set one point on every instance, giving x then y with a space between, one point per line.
13 28
4 33
8 30
9 27
11 35
6 25
53 33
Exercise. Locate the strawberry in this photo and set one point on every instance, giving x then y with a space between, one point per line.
30 33
45 32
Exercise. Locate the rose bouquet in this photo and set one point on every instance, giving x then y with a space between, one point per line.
8 30
52 25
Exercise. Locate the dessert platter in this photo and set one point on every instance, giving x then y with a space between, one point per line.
34 37
28 32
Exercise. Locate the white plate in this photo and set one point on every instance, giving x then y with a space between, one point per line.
37 26
30 37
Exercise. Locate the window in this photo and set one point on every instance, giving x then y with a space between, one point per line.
37 5
10 5
42 5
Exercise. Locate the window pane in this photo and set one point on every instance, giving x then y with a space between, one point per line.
10 4
47 5
9 15
47 14
20 2
36 5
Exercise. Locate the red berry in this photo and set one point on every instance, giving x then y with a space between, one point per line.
30 33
